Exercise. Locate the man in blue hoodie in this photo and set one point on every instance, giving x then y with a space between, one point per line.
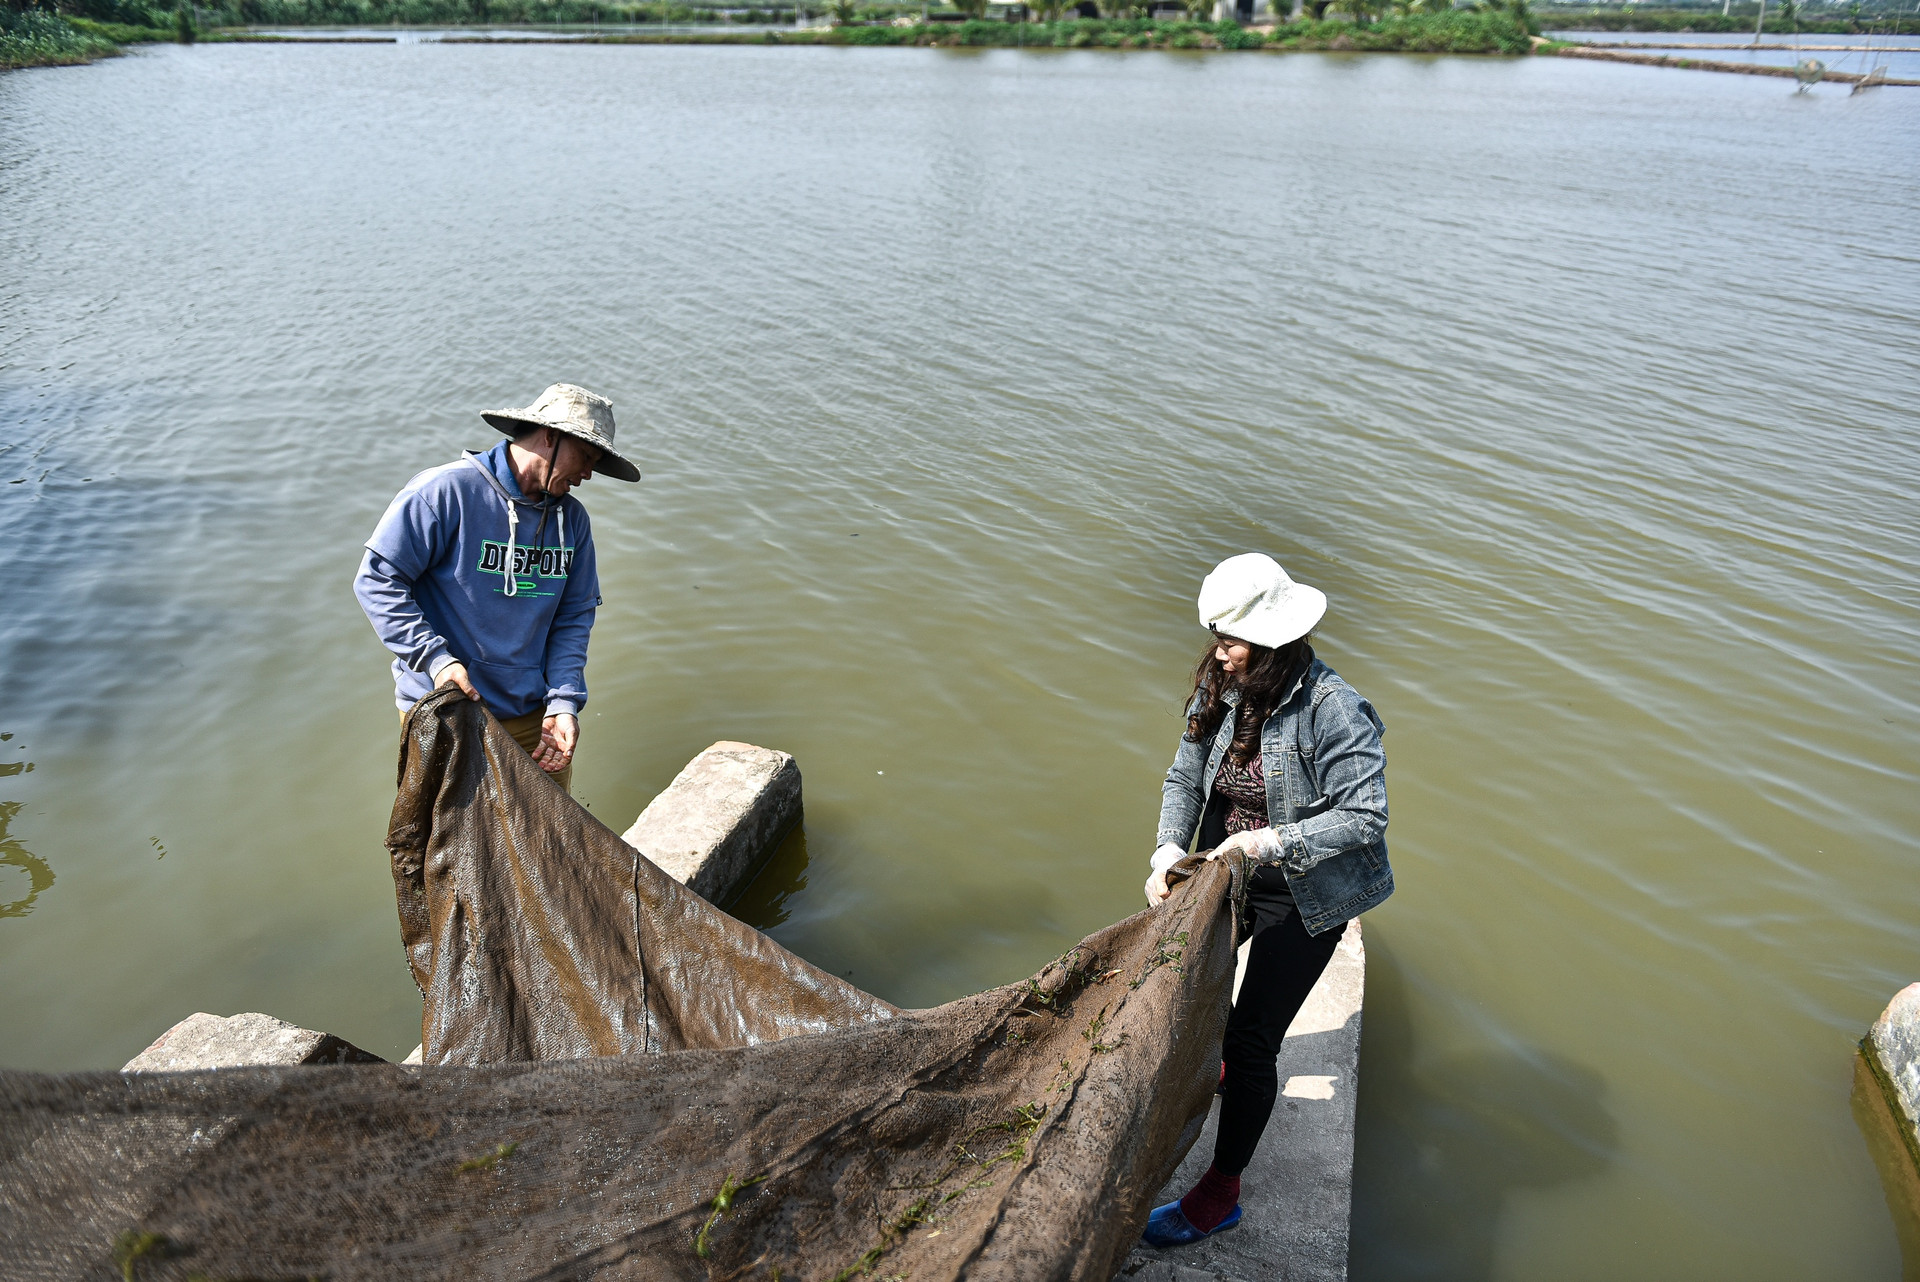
481 574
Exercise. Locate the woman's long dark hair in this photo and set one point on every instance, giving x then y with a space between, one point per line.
1270 674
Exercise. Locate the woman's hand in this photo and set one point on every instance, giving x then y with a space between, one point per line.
1164 858
1257 846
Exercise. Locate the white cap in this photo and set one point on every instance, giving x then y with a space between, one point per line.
1250 597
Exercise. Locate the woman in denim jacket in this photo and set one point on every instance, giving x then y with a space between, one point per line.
1282 761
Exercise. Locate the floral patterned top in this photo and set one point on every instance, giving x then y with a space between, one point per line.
1244 785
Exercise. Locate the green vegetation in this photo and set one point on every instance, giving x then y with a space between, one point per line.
133 1246
92 28
120 33
722 1203
1458 31
486 1162
36 38
95 28
213 14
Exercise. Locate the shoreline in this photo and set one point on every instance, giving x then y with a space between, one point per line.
1709 64
1457 32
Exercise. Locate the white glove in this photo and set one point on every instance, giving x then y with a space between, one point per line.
1164 858
1259 845
1167 856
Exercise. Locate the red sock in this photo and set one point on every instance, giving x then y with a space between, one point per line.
1211 1200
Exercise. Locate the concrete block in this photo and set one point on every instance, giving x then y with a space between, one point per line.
233 1041
1162 1270
720 818
1893 1048
1297 1195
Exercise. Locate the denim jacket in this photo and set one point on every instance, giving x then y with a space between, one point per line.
1326 796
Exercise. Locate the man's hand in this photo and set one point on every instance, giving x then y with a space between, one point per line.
455 674
558 734
1157 889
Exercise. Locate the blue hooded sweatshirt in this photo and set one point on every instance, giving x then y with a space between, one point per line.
465 567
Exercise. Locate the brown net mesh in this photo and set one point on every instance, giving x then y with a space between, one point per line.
624 1082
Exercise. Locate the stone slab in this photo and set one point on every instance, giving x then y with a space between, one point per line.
1889 1139
233 1041
1893 1049
1297 1196
720 818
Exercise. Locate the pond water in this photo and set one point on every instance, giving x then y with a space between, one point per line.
1585 391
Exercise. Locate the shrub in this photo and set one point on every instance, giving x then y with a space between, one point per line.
1456 31
33 38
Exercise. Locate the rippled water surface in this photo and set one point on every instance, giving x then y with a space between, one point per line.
1585 391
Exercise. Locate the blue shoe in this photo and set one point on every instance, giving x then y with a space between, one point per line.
1169 1226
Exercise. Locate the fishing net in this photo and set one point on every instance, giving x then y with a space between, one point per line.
623 1082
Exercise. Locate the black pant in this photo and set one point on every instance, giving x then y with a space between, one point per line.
1282 968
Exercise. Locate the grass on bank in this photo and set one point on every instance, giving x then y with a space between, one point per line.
122 34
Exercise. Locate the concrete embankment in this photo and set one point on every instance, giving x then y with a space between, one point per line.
1297 1195
1709 64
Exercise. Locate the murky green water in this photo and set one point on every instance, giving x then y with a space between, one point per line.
1586 392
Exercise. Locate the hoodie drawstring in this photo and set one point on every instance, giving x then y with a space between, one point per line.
513 533
513 530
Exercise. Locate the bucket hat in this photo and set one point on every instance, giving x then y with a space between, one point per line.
578 413
1250 597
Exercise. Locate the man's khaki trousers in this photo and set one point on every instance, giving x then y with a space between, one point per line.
526 732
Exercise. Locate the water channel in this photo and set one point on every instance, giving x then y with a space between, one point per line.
1585 391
